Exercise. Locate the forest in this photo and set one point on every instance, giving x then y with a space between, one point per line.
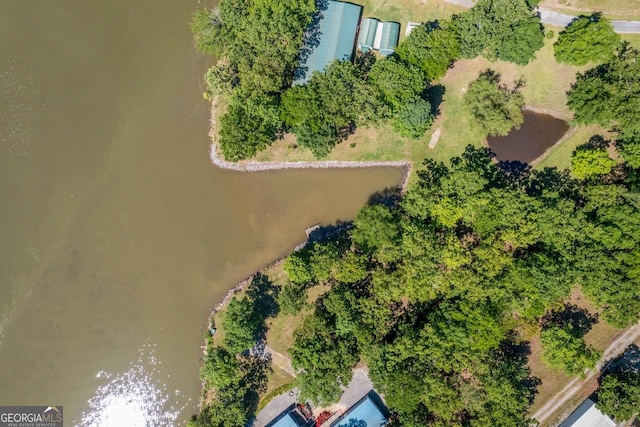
439 291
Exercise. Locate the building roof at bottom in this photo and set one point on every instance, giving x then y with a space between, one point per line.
587 415
365 411
338 27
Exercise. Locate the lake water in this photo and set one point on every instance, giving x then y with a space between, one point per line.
538 133
116 233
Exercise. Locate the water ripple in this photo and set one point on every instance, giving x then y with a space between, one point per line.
135 398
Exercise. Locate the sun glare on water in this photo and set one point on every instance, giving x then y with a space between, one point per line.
135 398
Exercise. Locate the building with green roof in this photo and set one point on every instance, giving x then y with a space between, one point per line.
337 29
367 37
380 36
390 35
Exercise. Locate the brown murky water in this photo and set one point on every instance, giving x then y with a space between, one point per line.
535 136
116 234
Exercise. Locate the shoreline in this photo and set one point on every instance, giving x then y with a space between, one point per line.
257 166
251 166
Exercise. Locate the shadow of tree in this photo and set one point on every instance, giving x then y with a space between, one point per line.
356 423
265 296
389 197
435 95
518 352
629 361
579 319
311 39
516 173
327 232
255 367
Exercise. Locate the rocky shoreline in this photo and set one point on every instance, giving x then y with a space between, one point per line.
256 166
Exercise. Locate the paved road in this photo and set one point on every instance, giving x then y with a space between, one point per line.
616 348
555 18
562 19
626 27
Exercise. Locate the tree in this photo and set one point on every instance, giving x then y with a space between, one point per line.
209 33
601 95
449 277
563 349
432 47
413 119
629 149
590 162
500 29
241 325
619 394
325 257
377 233
326 357
243 132
496 108
220 80
351 268
397 81
220 369
291 298
298 267
259 43
586 39
329 106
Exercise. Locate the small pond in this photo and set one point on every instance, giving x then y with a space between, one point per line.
535 136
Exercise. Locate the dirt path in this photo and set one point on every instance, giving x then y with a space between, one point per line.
617 347
281 361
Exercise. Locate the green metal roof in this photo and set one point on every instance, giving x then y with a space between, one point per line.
338 28
367 35
390 35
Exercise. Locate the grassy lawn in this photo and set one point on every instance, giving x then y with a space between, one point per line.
281 327
559 156
404 11
634 39
614 9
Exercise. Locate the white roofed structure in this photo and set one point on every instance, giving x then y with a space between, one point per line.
587 415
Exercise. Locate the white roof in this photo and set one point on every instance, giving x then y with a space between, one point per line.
587 415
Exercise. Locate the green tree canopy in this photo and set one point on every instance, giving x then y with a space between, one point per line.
586 39
629 149
326 357
220 80
496 108
589 162
241 326
472 255
619 394
259 43
500 29
329 106
563 349
601 95
414 119
291 298
209 33
432 47
397 81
